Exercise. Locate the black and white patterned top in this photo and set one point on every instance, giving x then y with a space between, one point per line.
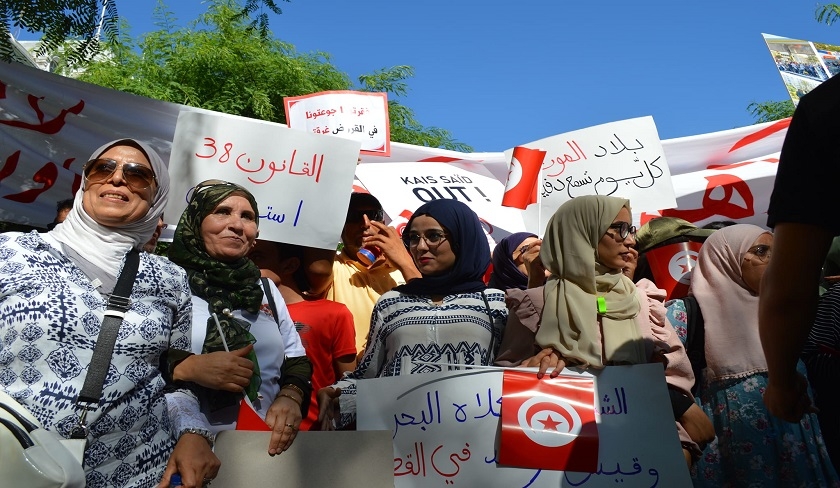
409 333
50 315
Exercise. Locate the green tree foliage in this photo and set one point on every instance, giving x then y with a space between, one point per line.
770 111
828 13
85 21
221 62
59 20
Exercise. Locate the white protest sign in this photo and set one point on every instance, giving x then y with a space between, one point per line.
300 181
444 428
623 159
360 116
402 187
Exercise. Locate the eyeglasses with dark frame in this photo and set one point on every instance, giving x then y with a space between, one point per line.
137 176
432 238
357 216
624 229
761 251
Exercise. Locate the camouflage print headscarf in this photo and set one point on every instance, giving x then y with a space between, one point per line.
226 286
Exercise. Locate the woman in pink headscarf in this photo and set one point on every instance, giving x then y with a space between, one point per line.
752 447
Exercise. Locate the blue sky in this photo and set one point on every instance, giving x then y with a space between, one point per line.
497 74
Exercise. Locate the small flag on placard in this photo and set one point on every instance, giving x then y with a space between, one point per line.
548 423
524 173
248 418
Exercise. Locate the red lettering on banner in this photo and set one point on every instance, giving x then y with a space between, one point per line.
723 207
46 175
243 162
759 135
724 167
52 126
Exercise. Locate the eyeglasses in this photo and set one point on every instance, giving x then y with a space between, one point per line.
761 251
136 176
358 216
432 239
624 229
211 183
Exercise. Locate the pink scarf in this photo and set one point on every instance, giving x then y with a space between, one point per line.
730 308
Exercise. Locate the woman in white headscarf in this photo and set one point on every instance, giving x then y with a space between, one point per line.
54 289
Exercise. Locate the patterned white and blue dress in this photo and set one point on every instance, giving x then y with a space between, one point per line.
409 331
50 316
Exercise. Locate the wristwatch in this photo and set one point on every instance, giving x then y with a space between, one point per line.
209 436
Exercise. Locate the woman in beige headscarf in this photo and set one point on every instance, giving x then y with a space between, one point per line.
594 316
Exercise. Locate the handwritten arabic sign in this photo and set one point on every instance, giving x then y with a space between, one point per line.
402 187
360 116
299 180
623 159
444 428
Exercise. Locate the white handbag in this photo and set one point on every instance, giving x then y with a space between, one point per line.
34 457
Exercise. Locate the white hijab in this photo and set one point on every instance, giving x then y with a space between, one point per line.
105 247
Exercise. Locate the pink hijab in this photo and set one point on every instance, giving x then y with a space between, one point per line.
730 308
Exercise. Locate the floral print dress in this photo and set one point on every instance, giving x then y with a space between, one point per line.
753 448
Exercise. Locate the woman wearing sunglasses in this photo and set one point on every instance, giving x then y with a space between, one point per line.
726 286
55 288
446 317
245 342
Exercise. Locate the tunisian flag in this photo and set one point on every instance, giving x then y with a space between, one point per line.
248 418
548 423
521 186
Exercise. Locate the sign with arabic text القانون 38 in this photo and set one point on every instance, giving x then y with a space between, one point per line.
444 429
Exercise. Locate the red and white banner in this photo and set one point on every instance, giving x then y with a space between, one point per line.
50 124
548 423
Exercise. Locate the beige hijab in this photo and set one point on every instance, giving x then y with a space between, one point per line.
571 322
729 307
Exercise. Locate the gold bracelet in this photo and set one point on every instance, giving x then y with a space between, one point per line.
290 396
293 387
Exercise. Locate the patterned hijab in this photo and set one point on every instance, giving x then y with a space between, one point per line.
226 286
729 307
105 246
472 251
505 272
570 317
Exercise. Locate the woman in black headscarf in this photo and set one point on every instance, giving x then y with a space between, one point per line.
446 317
509 266
231 312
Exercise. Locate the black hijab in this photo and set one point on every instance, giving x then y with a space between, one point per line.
472 251
505 272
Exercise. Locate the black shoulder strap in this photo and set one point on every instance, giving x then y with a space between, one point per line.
118 304
267 290
695 342
490 350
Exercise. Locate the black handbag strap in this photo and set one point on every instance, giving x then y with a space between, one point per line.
492 329
118 305
267 290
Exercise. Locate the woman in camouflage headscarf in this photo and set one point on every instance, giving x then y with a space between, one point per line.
232 313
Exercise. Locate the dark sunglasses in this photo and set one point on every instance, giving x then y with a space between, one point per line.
357 216
624 229
432 238
136 176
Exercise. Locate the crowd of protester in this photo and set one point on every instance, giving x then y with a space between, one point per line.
225 324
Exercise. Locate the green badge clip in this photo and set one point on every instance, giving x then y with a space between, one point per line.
602 305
